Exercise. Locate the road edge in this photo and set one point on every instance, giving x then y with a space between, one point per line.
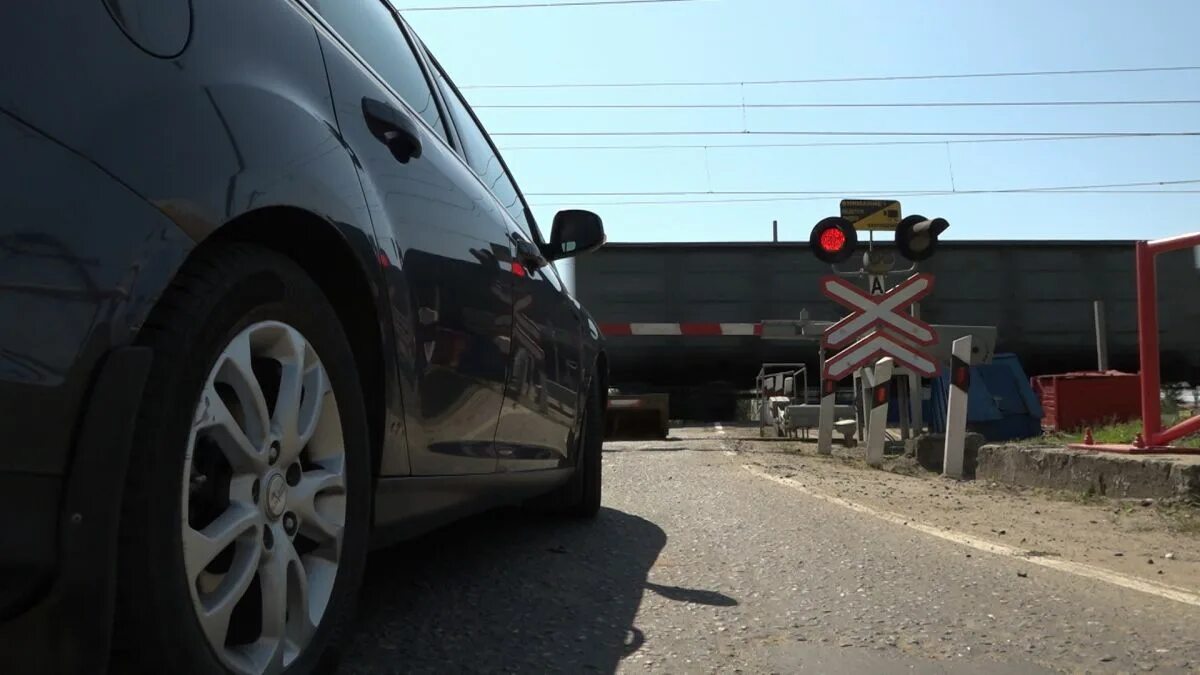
1076 568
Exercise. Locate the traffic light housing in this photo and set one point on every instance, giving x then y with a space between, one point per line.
916 236
833 240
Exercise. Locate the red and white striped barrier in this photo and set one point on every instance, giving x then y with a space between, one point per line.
692 329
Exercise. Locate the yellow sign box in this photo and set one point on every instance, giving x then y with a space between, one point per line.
872 214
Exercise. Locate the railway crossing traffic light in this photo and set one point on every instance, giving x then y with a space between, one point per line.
916 237
834 239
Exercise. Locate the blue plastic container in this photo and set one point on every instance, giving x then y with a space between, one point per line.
1001 405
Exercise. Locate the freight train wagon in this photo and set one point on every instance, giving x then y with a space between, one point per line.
1038 294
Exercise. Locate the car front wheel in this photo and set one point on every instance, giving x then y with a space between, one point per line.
247 500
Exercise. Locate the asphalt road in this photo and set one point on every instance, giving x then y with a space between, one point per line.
698 565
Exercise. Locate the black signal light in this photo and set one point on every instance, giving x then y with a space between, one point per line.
833 240
916 236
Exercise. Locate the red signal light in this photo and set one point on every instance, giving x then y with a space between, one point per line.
833 240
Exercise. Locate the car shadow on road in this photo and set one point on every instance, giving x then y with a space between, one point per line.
510 592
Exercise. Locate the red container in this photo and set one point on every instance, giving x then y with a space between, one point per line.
1074 400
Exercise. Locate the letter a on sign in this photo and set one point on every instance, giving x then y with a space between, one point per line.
877 287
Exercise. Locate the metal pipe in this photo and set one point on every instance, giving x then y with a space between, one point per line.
1184 428
1101 336
1147 304
1173 243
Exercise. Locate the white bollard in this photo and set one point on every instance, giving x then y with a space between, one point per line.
956 412
825 425
877 427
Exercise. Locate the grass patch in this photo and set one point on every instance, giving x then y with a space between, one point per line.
1115 434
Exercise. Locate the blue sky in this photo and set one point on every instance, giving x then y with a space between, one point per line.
738 40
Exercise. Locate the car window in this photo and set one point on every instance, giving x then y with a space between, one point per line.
481 157
371 29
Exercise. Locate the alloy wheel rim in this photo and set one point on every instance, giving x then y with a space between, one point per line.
264 499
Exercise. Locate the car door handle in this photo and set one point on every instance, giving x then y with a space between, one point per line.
528 254
394 127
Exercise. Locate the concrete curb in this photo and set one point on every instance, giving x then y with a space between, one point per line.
1106 474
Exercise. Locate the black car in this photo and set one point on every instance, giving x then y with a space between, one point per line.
269 296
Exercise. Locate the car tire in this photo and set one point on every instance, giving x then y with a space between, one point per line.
580 496
237 315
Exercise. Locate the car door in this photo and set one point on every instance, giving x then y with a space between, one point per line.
441 238
542 397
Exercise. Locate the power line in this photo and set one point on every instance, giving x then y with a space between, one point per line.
532 5
689 193
1115 134
941 193
760 106
871 78
824 144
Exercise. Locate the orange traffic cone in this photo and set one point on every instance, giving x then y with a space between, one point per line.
1087 437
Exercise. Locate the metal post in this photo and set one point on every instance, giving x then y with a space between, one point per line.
915 404
825 424
878 400
862 408
956 413
775 231
1101 336
1147 303
903 408
914 388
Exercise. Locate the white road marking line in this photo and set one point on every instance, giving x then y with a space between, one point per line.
1079 569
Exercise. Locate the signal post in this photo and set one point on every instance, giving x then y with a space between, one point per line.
878 335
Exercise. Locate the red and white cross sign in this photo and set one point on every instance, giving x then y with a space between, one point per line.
880 326
874 347
868 312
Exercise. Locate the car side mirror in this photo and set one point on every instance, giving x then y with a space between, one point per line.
574 233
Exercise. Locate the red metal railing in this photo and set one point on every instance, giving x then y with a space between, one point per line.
1147 301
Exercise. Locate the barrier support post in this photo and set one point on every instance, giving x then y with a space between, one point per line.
1150 378
1147 303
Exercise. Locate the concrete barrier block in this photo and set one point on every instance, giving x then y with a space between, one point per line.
929 451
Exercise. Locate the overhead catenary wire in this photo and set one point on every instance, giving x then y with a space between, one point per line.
790 106
829 80
537 5
809 198
797 132
689 193
822 144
